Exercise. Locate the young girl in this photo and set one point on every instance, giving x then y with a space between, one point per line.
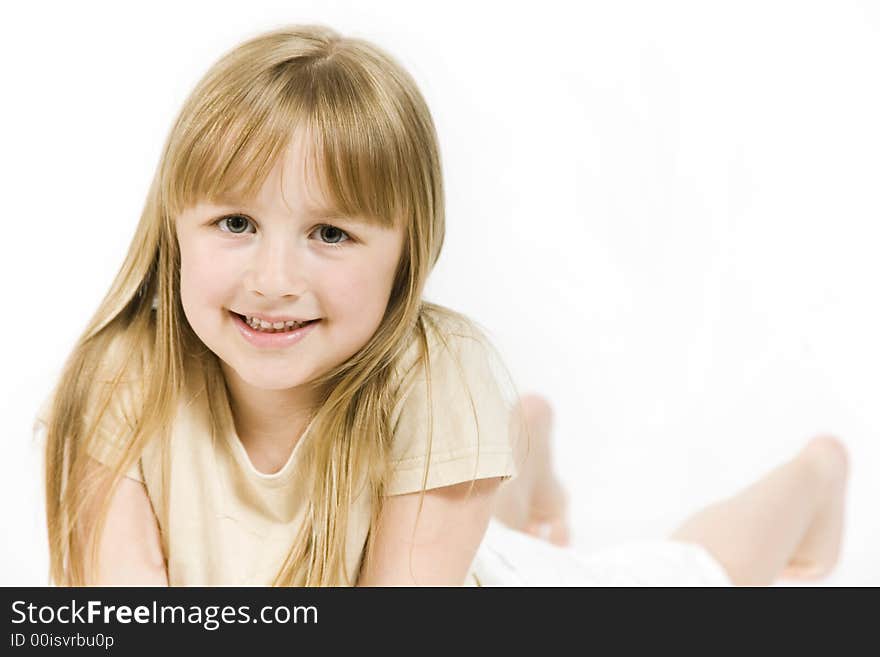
264 397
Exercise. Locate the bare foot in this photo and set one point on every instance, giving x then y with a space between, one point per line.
548 513
819 549
534 501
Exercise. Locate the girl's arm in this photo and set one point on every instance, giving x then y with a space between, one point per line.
449 530
130 553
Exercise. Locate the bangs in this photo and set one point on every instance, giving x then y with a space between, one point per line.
356 143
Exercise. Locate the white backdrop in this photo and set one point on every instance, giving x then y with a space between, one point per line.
666 214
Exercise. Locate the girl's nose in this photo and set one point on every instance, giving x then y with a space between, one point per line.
279 270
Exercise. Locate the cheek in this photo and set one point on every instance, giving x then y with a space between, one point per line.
357 290
204 278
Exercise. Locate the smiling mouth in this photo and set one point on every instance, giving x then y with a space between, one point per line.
265 327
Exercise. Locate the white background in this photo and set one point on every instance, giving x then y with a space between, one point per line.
666 214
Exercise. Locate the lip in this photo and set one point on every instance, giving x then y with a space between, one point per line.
271 340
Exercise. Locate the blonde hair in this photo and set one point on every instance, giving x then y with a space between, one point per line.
376 146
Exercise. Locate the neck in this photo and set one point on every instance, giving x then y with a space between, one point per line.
268 419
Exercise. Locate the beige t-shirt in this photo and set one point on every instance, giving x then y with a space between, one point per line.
233 525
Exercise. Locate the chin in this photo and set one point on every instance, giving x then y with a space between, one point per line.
265 381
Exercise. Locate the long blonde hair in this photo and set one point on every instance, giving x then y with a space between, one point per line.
376 145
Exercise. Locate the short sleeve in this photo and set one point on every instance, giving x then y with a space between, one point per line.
470 415
125 391
111 433
116 427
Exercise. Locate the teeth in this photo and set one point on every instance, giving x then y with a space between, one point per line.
271 327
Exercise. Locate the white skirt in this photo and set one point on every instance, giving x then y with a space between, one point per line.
510 558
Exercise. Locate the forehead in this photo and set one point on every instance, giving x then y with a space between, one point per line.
294 167
296 186
295 180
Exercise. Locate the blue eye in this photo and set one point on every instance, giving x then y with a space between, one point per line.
237 224
241 219
333 230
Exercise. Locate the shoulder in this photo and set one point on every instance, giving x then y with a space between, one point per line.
105 400
452 413
119 379
446 344
112 374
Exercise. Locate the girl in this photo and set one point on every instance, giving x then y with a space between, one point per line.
264 397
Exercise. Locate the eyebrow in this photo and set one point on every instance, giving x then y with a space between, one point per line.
312 213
